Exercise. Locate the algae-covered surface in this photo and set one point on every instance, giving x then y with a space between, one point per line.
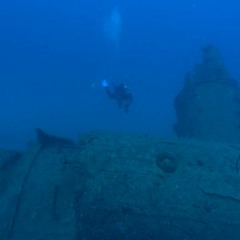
121 186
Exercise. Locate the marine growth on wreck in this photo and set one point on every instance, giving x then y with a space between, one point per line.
208 106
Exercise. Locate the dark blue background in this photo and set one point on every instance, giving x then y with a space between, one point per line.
53 55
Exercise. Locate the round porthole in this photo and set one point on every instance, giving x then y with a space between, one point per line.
167 162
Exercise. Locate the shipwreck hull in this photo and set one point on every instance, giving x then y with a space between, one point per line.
116 186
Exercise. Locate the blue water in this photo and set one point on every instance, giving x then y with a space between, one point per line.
53 56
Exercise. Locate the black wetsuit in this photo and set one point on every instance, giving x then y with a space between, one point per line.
122 94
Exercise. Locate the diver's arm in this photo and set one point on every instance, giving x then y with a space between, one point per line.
107 89
109 93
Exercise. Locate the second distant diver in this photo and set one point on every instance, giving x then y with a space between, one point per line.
120 93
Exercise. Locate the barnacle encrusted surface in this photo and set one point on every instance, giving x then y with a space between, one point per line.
113 187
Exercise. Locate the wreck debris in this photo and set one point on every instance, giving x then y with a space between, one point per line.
47 140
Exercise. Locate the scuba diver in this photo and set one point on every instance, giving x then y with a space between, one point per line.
121 93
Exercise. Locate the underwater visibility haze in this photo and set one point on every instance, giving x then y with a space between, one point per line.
119 120
54 55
